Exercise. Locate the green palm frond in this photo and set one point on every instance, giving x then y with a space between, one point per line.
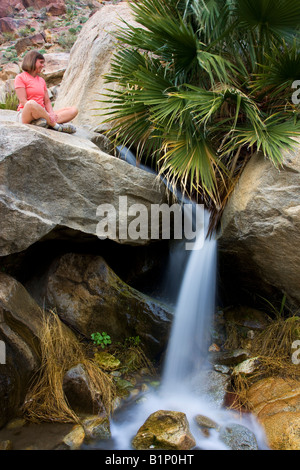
189 161
269 18
203 82
271 138
281 69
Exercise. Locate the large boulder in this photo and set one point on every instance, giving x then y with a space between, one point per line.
20 331
49 179
55 66
260 233
90 59
7 7
276 403
91 298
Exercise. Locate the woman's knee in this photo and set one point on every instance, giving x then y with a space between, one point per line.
31 104
74 111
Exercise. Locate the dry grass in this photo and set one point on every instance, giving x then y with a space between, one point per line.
61 350
273 348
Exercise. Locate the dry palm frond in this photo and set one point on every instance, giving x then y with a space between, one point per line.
61 350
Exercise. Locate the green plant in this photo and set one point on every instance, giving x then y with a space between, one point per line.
11 101
101 339
280 311
9 36
205 83
132 341
66 40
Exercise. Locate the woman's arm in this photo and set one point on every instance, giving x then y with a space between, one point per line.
49 108
22 95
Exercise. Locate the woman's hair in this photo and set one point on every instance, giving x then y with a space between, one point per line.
30 59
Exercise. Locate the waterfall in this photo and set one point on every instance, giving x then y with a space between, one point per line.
188 343
183 384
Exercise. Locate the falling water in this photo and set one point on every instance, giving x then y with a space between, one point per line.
188 344
184 380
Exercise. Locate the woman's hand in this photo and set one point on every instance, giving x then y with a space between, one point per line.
53 117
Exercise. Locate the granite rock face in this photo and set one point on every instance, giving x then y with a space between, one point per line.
260 234
50 179
90 58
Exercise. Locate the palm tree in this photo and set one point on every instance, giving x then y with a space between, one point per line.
205 83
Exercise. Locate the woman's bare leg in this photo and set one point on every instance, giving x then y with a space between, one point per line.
32 110
66 114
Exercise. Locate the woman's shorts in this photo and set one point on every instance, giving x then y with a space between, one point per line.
19 116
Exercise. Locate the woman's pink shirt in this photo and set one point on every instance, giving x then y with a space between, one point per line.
35 87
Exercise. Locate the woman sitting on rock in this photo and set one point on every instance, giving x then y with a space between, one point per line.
34 102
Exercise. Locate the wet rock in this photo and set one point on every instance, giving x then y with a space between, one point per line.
228 358
167 430
89 296
276 403
107 361
79 393
238 437
206 424
247 367
6 445
247 317
73 440
96 428
16 423
213 385
222 369
20 330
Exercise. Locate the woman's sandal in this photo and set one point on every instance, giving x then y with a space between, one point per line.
68 128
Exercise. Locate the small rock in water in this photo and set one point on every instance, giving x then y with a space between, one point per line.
238 437
212 385
96 427
247 367
73 440
221 368
228 358
167 430
6 445
206 424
